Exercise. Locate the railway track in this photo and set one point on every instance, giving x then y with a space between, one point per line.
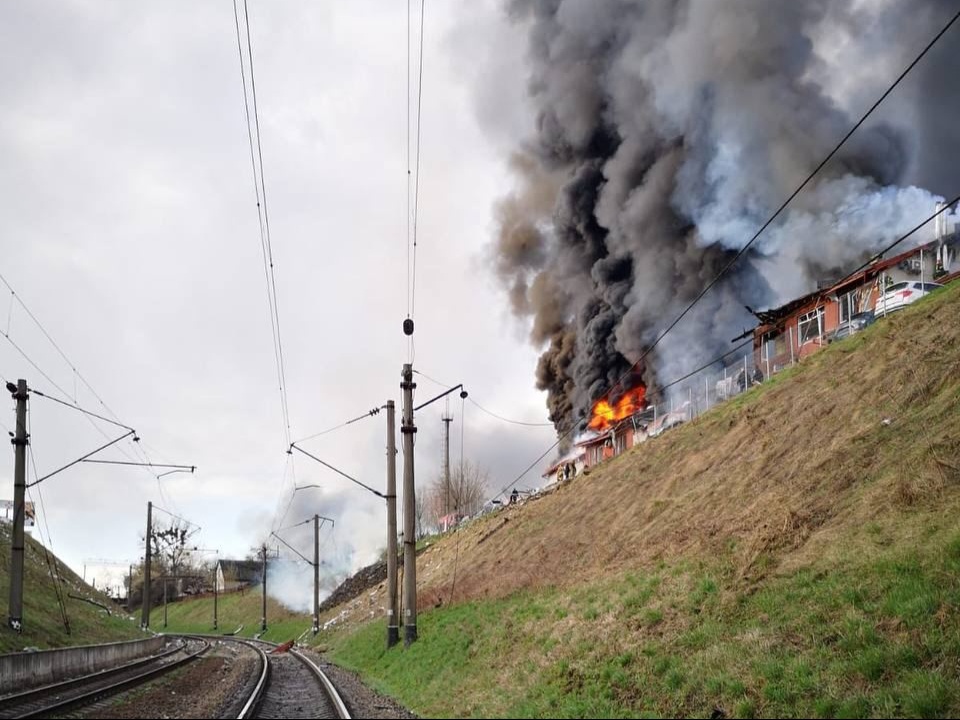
70 695
284 685
288 685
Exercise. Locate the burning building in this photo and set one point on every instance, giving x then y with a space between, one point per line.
664 134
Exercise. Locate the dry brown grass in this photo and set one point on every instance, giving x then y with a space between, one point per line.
769 480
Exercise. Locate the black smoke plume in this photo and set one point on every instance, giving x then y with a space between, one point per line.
665 133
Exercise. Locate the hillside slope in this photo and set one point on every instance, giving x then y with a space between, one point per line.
235 611
43 623
792 551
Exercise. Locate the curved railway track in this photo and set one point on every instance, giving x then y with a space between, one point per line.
87 689
285 685
288 685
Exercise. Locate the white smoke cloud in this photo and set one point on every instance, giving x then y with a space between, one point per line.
676 130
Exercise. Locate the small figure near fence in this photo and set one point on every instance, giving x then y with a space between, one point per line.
757 376
742 380
514 496
724 388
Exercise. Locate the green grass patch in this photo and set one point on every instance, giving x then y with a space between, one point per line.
43 625
841 640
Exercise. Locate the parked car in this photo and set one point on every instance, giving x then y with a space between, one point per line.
854 325
901 294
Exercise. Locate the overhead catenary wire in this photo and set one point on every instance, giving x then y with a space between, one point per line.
293 493
73 368
337 470
416 191
485 410
508 420
266 222
80 459
290 527
412 217
726 268
369 413
263 216
891 246
177 517
409 172
52 565
76 374
56 347
562 436
64 392
74 406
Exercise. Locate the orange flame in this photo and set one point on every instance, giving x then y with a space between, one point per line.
605 414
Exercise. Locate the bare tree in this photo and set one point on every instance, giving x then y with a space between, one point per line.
464 497
171 548
420 514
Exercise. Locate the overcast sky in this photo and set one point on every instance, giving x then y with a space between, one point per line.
130 231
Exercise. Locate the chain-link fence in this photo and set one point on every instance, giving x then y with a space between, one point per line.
702 390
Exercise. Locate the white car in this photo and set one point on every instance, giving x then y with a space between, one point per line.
902 294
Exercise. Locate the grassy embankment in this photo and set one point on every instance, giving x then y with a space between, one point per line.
43 623
233 611
794 552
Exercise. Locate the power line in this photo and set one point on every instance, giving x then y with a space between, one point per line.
293 494
369 413
739 347
62 354
177 517
53 567
508 420
33 364
74 406
146 465
338 471
416 191
899 240
408 162
773 217
678 380
480 407
776 214
76 373
263 217
80 459
266 222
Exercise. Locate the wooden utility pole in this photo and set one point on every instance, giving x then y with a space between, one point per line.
20 441
407 429
393 613
316 574
145 603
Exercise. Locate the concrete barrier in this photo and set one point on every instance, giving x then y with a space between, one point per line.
20 671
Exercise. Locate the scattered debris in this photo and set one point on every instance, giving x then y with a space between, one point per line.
285 647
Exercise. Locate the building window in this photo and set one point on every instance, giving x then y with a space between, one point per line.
810 325
774 345
847 305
